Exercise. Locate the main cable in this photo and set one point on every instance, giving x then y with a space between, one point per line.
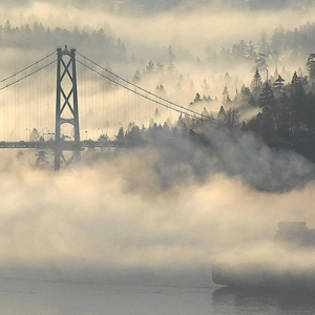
133 91
142 89
26 68
28 75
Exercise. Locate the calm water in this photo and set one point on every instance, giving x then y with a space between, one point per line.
56 297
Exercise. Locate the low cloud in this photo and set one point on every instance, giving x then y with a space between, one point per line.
118 212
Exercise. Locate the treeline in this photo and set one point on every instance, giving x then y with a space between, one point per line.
295 44
301 39
285 115
37 36
286 111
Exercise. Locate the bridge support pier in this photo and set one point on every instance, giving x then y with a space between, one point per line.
67 111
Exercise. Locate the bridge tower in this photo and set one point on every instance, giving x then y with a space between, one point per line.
67 111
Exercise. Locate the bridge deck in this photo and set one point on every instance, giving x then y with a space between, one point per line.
67 145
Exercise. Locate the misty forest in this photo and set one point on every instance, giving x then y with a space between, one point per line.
157 157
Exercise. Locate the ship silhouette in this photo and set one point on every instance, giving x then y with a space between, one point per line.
290 263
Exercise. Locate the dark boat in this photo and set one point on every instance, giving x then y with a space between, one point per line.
289 261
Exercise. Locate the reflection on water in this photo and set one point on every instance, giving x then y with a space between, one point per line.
33 297
86 298
263 301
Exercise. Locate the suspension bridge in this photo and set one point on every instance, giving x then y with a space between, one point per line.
28 104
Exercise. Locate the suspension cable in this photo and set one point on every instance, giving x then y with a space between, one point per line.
133 91
26 68
28 75
142 89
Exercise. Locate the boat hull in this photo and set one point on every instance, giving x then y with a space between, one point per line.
253 276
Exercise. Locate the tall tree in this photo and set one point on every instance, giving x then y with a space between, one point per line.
232 118
225 94
121 134
256 82
222 114
266 98
279 83
34 136
311 67
296 81
261 62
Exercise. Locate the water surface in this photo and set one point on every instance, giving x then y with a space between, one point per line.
25 296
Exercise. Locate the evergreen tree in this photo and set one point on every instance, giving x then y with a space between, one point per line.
103 138
279 83
228 100
34 136
133 135
296 81
266 98
251 53
256 82
225 94
232 118
121 134
222 114
267 118
197 98
261 62
245 97
150 66
311 67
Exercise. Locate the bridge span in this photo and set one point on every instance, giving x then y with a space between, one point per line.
67 105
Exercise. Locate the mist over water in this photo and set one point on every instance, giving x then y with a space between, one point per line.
167 206
138 227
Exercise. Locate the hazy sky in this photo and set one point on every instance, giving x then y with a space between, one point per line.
192 29
151 6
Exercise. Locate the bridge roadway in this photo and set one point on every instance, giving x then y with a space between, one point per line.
64 145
